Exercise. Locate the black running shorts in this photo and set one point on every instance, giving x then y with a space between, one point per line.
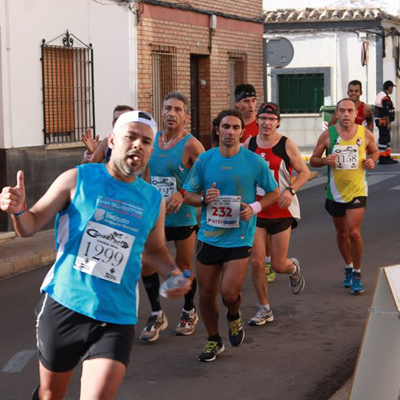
179 232
212 255
276 225
336 209
65 336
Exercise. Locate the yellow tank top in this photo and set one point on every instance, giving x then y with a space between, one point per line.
347 179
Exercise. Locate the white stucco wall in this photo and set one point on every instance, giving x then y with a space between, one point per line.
341 52
23 25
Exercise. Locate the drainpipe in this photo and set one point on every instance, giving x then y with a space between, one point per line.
8 56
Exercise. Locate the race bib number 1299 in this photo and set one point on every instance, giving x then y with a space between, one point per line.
104 252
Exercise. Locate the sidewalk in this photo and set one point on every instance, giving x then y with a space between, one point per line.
22 254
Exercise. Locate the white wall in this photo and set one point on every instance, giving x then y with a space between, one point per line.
23 25
342 53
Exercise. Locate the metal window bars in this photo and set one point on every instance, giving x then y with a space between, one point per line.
165 77
68 89
237 73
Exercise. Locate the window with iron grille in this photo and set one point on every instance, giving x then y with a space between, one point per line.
165 77
237 73
68 91
300 93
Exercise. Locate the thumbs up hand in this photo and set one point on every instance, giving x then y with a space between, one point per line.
212 194
12 199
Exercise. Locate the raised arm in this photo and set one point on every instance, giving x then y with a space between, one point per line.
28 222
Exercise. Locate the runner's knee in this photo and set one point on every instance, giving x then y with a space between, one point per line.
231 299
257 262
355 235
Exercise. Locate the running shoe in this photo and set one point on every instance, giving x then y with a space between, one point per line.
154 325
269 271
356 284
262 316
297 281
211 351
348 273
236 332
187 323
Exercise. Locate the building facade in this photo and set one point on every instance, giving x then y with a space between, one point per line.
201 48
64 65
330 47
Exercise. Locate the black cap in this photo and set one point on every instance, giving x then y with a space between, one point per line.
269 108
388 84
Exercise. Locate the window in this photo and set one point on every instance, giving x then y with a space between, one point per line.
164 61
237 73
301 93
68 92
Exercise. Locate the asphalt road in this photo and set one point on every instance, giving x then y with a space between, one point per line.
306 353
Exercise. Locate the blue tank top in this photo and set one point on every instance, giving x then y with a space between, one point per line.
237 178
168 174
99 240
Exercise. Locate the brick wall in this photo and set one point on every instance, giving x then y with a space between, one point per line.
193 38
243 8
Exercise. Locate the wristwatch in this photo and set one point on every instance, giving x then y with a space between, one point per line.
203 201
291 190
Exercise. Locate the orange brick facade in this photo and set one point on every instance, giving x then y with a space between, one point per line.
189 33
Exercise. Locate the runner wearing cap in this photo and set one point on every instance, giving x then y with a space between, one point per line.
364 111
350 151
246 104
278 220
384 116
223 183
175 151
106 216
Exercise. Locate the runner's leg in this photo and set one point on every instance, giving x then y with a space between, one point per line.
257 261
208 277
342 238
101 378
233 276
279 252
354 219
53 385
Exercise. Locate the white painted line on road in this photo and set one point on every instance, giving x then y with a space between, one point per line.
314 182
18 361
374 179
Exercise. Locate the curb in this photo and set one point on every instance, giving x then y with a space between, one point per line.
19 255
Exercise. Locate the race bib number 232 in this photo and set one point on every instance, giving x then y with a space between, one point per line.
224 211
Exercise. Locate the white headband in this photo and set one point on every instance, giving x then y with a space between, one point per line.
136 116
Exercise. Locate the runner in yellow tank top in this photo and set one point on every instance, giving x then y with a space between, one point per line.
350 151
347 178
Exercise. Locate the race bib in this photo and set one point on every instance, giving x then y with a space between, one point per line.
166 185
224 211
104 252
347 157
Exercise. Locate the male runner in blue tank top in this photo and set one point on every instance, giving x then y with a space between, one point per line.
175 151
228 175
106 216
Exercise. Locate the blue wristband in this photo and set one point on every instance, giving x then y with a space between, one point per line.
19 213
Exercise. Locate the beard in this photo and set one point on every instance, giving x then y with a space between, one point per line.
127 169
